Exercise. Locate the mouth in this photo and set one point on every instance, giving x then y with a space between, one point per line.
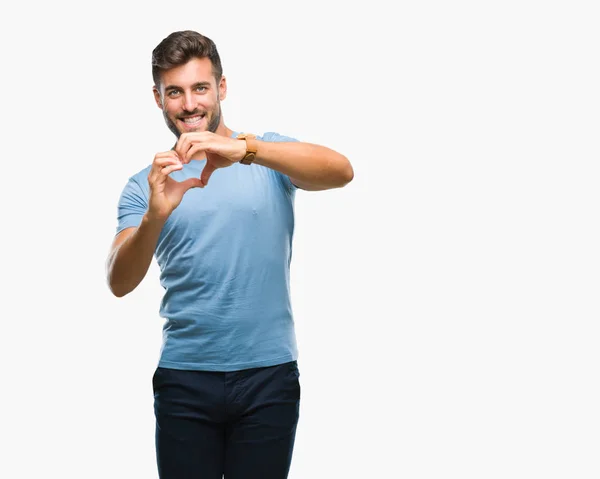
192 121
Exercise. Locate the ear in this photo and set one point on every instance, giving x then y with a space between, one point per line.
157 97
223 88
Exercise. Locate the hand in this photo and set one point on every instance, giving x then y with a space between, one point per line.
166 193
220 151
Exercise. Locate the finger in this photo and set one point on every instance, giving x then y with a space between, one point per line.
164 161
166 154
193 151
182 145
192 183
207 171
169 169
187 140
159 173
163 154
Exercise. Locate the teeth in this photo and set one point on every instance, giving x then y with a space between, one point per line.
194 119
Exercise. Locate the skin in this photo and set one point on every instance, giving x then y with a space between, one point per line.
190 89
186 91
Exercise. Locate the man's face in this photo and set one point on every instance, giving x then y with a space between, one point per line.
190 97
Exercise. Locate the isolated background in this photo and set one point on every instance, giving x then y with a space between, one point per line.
446 301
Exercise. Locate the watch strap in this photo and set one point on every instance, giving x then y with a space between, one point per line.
251 148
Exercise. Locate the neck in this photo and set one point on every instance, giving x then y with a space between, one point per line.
223 130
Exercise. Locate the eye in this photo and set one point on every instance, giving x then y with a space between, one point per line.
172 93
201 88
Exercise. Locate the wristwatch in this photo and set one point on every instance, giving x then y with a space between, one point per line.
251 148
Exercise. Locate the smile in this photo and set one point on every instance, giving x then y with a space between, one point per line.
193 120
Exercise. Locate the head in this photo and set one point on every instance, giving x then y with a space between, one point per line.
188 82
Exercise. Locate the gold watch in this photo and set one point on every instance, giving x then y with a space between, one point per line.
251 148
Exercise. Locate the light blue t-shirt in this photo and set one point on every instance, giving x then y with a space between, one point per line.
224 257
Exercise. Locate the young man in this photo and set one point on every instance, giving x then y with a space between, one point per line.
217 211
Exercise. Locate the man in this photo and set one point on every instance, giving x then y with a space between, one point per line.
226 389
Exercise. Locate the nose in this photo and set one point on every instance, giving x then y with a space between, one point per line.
188 102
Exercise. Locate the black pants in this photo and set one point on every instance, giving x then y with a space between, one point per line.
240 424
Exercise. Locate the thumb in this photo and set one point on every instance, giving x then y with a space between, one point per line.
206 173
192 183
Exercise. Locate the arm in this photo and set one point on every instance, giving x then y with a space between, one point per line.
131 254
133 248
309 166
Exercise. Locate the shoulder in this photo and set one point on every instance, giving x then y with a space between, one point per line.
274 136
137 183
140 176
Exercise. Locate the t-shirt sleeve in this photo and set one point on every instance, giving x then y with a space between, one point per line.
272 136
132 205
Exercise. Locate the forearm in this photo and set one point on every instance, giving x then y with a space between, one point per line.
129 262
306 162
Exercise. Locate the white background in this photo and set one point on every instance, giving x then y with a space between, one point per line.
446 300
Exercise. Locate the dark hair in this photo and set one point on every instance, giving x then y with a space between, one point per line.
179 48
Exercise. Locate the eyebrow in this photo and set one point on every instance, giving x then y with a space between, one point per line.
195 85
